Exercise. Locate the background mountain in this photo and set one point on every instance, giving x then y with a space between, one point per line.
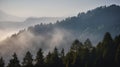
29 22
92 24
9 27
7 17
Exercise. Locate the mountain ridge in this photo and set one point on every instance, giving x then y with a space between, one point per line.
92 24
88 24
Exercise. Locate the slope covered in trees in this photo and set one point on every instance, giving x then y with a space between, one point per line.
92 24
105 54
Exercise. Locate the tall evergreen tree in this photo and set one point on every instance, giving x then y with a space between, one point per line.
76 45
62 54
117 51
27 60
1 62
39 59
108 47
62 57
14 62
69 59
88 43
117 57
56 61
73 56
48 60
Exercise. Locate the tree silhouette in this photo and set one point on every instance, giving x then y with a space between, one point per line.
62 57
39 59
56 61
76 45
14 62
117 51
48 60
1 62
88 43
27 60
62 54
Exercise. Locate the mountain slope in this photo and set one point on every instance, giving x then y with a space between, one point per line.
10 27
94 22
92 25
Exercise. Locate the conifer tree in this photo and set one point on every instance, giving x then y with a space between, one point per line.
27 60
56 61
1 62
39 59
14 62
62 54
48 60
88 43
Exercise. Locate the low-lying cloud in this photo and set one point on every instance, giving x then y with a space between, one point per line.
27 41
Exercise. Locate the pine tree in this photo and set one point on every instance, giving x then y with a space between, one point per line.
48 60
117 57
63 57
56 61
76 45
39 59
62 54
14 62
1 62
117 51
108 47
69 59
72 56
27 60
88 44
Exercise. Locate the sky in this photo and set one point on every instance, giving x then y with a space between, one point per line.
51 8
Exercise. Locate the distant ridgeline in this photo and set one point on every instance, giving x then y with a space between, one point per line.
105 54
91 25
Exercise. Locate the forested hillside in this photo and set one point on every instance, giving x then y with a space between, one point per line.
86 25
91 25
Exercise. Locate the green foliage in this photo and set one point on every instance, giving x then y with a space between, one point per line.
56 60
88 43
14 62
27 60
105 54
76 45
39 59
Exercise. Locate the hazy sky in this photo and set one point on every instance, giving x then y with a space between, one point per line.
40 8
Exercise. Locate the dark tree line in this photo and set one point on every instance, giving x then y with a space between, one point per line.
105 54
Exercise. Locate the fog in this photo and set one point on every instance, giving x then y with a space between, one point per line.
27 41
7 28
21 37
